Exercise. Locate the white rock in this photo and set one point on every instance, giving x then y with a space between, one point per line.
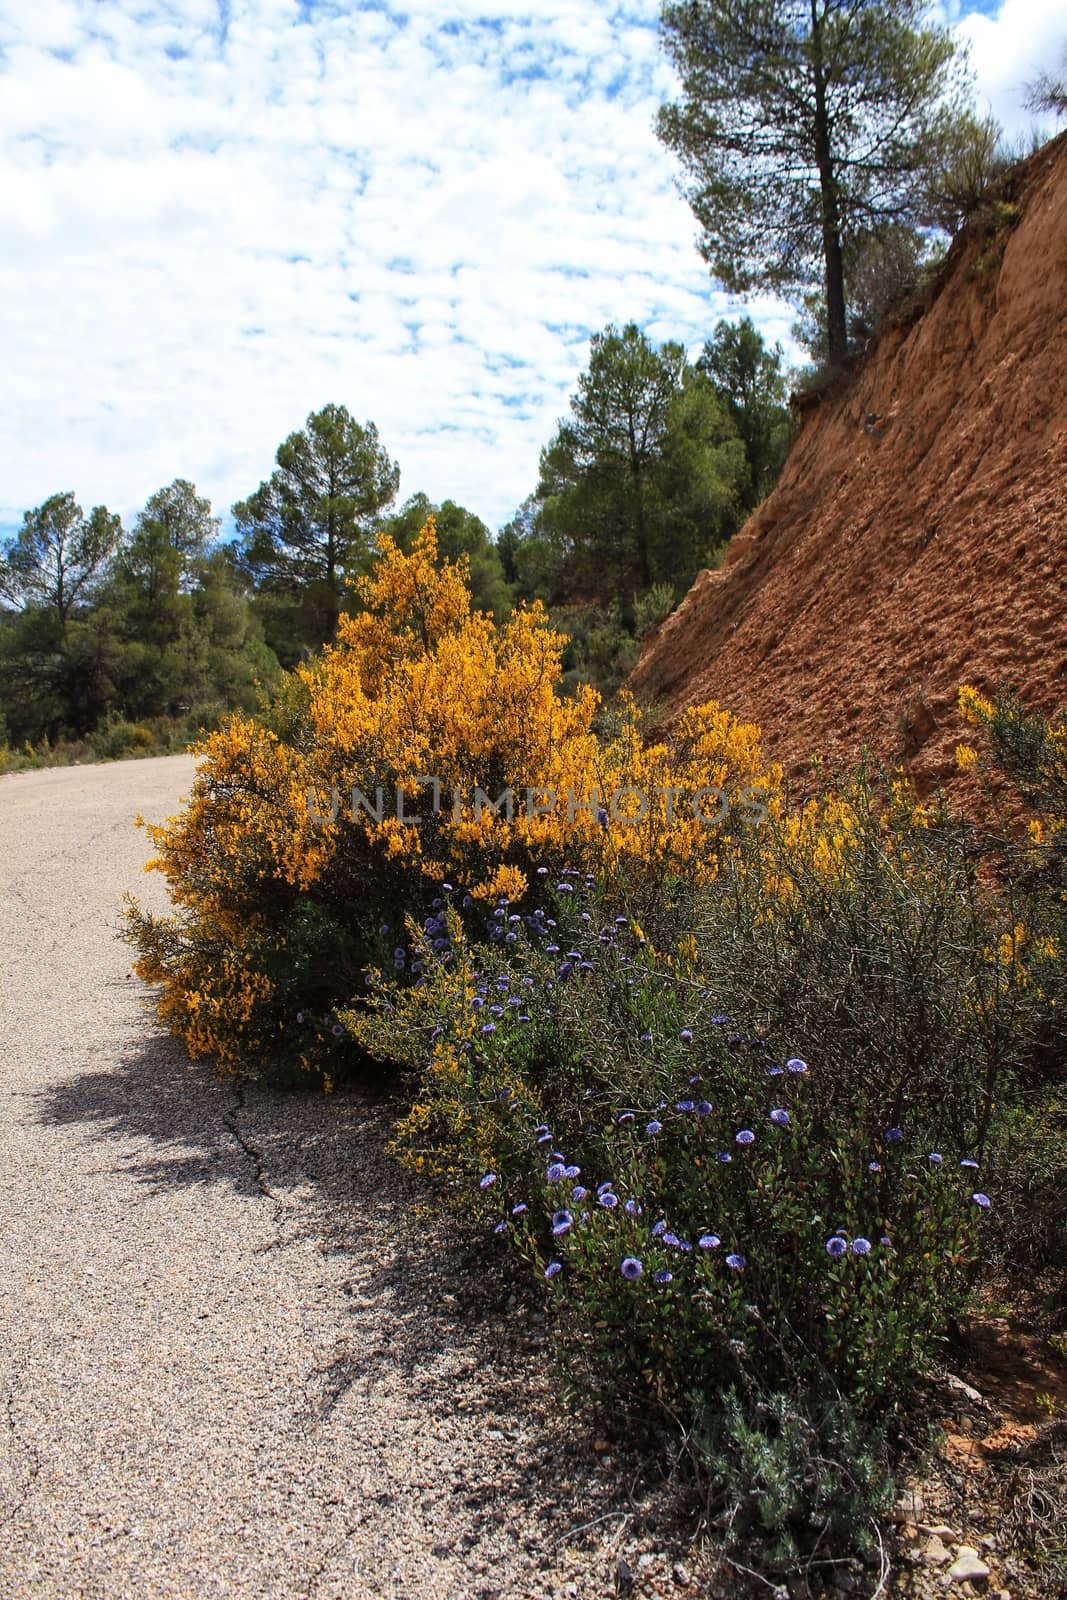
968 1566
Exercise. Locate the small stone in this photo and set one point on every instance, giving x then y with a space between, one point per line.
987 1542
965 1389
940 1529
680 1574
968 1567
934 1551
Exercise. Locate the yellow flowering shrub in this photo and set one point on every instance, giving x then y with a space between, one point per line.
427 742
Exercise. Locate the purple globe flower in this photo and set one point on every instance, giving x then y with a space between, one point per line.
572 1172
625 1116
631 1268
861 1247
703 1108
724 1155
632 1208
671 1239
684 1105
489 1027
893 1134
795 1064
686 1036
971 1166
556 1172
552 1268
544 1138
658 1228
836 1246
720 1022
488 1181
775 1072
561 1222
746 1136
608 1200
646 1038
653 1126
579 1192
982 1200
500 1227
780 1117
663 1276
874 1166
477 1003
735 1261
709 1241
935 1157
517 1211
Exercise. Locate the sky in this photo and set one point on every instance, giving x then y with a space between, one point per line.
217 216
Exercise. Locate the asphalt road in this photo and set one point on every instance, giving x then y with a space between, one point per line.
233 1359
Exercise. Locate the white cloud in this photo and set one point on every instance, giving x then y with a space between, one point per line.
216 217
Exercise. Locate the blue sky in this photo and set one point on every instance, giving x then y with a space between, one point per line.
219 215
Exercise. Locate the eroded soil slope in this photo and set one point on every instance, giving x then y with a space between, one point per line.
917 538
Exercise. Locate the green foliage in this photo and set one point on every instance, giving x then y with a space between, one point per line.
801 127
151 626
58 556
749 377
311 524
652 608
644 478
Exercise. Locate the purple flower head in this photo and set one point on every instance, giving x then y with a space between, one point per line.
936 1158
836 1246
874 1166
861 1247
982 1200
500 1227
885 1239
608 1200
489 1027
625 1116
795 1064
746 1136
724 1155
477 1003
488 1181
646 1038
969 1165
658 1228
517 1211
775 1072
572 1172
561 1222
552 1268
544 1138
663 1276
780 1117
632 1208
671 1239
720 1022
686 1036
735 1261
709 1241
684 1105
300 1016
556 1172
631 1268
892 1134
337 1030
653 1126
580 1192
703 1108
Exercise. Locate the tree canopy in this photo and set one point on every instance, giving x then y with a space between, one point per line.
645 476
312 523
58 556
802 124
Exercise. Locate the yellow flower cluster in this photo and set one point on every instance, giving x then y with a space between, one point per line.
434 741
